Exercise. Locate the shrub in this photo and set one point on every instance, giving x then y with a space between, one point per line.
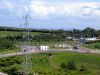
71 65
82 68
6 44
63 66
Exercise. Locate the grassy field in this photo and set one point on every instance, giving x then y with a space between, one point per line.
93 45
49 64
9 51
12 33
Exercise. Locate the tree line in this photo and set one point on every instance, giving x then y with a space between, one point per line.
45 36
87 32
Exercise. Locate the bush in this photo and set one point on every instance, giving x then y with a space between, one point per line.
90 42
11 70
6 44
82 68
63 66
71 65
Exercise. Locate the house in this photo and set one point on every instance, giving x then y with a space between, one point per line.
62 46
91 39
69 38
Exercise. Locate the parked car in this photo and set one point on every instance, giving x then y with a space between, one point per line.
75 47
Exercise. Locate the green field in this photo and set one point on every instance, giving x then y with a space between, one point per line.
13 33
9 51
93 45
4 34
49 64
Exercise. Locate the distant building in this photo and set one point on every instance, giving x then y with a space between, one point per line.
82 40
69 38
45 48
91 39
62 46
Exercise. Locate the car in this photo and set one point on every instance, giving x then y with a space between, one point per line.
75 47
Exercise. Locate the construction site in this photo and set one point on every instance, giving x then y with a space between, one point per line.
49 38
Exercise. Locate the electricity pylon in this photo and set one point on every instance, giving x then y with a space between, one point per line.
27 63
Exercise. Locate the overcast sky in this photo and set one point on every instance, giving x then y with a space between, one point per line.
51 14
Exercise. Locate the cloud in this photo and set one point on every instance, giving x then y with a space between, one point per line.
51 11
45 9
5 4
42 8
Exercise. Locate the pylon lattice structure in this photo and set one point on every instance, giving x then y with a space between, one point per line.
27 63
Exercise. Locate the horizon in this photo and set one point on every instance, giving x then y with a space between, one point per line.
51 14
50 29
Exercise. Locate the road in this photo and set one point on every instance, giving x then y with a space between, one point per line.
33 51
2 73
18 53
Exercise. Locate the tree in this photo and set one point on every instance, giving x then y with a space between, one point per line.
11 70
6 44
69 66
97 33
76 33
89 32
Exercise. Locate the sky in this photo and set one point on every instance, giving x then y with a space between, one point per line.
51 14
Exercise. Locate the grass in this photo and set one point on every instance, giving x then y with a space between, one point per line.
13 33
77 57
49 65
93 45
9 51
46 64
